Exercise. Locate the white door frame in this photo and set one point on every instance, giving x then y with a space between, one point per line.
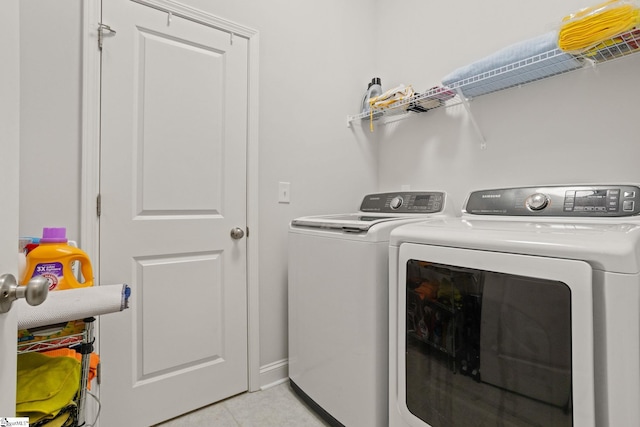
89 225
10 135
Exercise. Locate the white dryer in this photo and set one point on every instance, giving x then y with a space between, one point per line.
338 305
525 311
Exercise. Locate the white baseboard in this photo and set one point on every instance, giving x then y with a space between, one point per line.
274 373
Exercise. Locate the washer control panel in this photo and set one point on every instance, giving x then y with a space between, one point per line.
405 202
580 200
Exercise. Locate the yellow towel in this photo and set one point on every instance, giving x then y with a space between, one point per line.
66 418
58 421
45 384
593 25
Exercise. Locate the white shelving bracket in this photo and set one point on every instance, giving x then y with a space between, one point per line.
465 102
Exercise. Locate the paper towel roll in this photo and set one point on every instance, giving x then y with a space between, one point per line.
73 304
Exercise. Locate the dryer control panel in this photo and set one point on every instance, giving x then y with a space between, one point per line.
420 202
574 201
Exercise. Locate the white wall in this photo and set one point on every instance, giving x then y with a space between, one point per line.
439 36
579 127
50 119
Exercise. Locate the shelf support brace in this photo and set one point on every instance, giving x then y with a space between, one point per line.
465 102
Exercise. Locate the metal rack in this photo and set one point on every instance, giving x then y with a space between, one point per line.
433 98
83 344
501 78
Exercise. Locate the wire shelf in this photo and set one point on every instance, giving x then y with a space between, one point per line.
434 98
51 344
534 68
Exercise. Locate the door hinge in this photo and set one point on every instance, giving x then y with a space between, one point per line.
247 232
104 30
99 205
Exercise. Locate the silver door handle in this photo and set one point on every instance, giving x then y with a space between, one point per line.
35 292
237 233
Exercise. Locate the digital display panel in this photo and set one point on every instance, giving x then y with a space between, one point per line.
422 200
594 198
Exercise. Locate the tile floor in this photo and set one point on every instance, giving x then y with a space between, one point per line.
277 406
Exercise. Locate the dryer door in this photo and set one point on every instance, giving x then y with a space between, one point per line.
488 338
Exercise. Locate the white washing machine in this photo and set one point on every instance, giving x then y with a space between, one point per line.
525 311
338 305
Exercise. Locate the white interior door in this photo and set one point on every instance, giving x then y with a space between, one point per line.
9 135
173 186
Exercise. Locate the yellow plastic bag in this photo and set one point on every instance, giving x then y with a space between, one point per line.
591 26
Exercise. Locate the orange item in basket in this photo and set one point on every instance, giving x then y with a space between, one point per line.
68 352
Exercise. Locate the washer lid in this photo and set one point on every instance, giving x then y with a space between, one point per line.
356 222
607 246
379 208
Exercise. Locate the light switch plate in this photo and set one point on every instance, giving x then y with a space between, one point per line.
284 195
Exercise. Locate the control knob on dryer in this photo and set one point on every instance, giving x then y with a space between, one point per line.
396 202
537 201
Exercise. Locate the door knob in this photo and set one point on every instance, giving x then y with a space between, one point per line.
35 292
237 233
